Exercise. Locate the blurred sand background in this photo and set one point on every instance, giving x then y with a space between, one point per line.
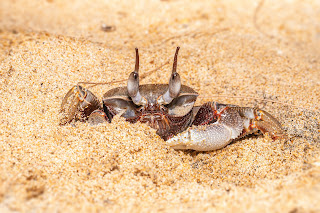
267 50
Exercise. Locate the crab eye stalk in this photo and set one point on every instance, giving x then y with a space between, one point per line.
174 83
133 84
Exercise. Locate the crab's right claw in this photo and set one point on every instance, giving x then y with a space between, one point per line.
78 104
265 122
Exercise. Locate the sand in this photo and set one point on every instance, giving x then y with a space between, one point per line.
229 49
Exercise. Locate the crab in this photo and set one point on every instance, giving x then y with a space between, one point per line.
169 108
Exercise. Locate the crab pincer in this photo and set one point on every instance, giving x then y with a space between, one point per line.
221 124
78 104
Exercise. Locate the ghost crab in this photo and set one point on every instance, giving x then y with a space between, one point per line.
169 108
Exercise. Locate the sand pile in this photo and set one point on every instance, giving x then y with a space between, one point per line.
48 47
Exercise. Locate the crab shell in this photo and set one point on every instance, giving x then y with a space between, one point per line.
167 119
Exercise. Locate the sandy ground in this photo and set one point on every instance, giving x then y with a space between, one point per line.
266 51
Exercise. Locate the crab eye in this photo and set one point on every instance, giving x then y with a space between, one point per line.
174 75
174 83
133 84
140 109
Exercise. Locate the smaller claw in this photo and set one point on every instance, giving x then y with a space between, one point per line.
78 104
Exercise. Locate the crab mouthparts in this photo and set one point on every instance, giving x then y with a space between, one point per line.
156 121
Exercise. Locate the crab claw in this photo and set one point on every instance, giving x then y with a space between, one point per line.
221 124
202 138
78 104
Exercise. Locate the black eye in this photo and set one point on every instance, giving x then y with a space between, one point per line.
174 75
141 109
135 75
163 107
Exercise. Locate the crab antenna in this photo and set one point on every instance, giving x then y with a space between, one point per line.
174 82
133 83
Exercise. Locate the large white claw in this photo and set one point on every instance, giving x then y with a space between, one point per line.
203 138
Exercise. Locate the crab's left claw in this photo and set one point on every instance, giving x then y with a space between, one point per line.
221 124
216 125
78 104
203 138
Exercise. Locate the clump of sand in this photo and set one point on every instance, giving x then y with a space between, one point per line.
127 167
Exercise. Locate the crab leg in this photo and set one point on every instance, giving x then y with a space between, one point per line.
257 119
216 125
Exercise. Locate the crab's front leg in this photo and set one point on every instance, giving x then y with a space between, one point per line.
257 119
80 104
216 125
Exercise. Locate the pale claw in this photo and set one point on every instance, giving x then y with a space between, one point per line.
202 138
233 123
78 104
